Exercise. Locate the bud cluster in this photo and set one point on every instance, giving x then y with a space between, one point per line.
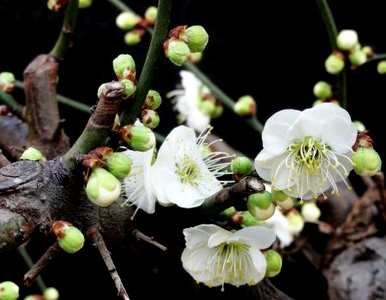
186 43
366 160
208 104
125 70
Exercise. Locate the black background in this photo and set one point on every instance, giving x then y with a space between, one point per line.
273 50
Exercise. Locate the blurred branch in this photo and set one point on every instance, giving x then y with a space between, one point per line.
8 100
28 261
64 40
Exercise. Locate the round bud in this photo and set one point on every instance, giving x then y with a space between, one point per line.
218 110
274 263
283 200
207 106
151 14
153 100
248 219
103 188
368 51
322 90
310 212
196 37
366 161
127 20
358 57
150 118
118 164
229 212
241 165
7 82
359 126
381 67
347 40
195 57
123 65
245 106
177 52
139 138
70 238
9 291
133 38
85 3
51 293
334 64
295 222
129 87
260 205
32 153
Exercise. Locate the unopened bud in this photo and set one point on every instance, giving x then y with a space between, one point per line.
9 291
366 161
196 37
218 110
127 20
295 222
195 57
177 51
133 37
103 188
7 82
357 57
153 100
248 219
368 51
151 14
241 166
260 205
245 106
207 106
381 68
123 65
310 212
32 153
359 126
129 87
334 64
138 137
283 200
70 238
118 164
85 3
274 263
150 118
347 40
56 5
51 293
322 90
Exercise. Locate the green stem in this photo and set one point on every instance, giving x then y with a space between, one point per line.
121 6
64 40
29 262
11 102
376 57
161 29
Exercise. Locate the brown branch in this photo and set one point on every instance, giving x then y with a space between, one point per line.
13 136
148 239
3 160
96 237
38 267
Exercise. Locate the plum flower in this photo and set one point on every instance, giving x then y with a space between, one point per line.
215 256
186 102
181 175
279 223
307 152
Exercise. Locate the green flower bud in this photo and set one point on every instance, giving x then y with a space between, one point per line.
283 200
7 82
71 240
334 64
347 40
103 188
32 153
295 222
218 110
310 212
207 107
195 57
177 52
260 205
139 138
245 106
359 126
151 14
123 65
127 20
119 164
84 4
150 118
241 165
51 293
381 67
153 100
229 212
133 38
322 90
248 219
274 263
9 291
196 37
368 51
357 58
129 87
366 161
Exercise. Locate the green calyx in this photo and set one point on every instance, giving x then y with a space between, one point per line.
229 212
140 138
123 65
274 263
248 219
357 57
241 166
153 100
119 164
322 90
282 199
245 106
261 200
177 52
9 291
207 106
196 37
150 118
129 87
72 240
366 161
32 154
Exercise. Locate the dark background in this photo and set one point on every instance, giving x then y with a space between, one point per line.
273 50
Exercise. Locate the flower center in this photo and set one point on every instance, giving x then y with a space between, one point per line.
188 171
309 153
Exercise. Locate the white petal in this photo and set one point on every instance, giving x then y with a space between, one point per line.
339 134
198 236
258 236
219 237
280 224
259 263
265 162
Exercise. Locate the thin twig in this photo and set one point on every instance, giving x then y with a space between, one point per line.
98 241
8 100
29 262
38 267
148 239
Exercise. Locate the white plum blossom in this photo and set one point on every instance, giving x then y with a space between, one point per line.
307 152
181 174
215 256
279 223
186 101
